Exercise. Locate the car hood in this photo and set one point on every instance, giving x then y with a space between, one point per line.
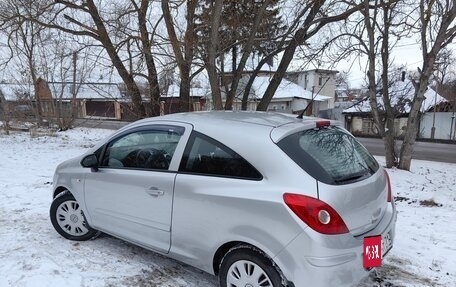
70 163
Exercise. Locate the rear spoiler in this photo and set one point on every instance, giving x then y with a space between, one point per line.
285 130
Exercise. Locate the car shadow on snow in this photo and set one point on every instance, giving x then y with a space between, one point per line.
152 269
393 274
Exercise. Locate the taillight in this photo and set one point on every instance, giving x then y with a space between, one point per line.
388 182
317 214
322 124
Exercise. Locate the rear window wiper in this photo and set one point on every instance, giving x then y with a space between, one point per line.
351 177
367 167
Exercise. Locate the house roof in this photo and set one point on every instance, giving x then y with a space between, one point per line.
323 71
401 95
64 90
173 92
285 90
13 92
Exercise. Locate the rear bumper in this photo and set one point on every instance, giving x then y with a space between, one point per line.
314 259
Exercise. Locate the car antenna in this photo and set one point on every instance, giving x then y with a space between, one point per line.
301 115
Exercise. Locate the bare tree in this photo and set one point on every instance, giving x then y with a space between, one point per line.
183 50
25 39
247 50
65 72
436 23
146 48
118 29
382 26
246 29
374 33
316 14
380 20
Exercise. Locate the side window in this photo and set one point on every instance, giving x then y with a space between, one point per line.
206 156
144 149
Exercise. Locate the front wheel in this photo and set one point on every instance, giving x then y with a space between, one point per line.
247 266
68 219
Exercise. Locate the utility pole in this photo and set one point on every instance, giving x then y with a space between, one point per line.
435 106
74 93
453 124
451 127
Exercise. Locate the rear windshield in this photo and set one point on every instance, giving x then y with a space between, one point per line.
330 155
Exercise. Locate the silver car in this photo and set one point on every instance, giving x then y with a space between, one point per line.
259 199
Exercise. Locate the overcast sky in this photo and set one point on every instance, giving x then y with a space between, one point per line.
407 52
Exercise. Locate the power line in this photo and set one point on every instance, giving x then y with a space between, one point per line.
406 45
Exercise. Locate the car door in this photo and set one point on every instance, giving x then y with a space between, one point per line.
131 193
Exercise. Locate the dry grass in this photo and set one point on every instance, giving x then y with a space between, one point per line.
430 203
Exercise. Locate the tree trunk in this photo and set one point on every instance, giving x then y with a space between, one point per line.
389 132
233 58
413 122
152 78
278 75
248 87
38 110
185 103
4 111
390 144
212 51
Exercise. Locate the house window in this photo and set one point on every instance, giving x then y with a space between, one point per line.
368 126
320 81
46 107
282 107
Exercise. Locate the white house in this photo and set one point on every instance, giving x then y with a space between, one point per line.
289 97
319 81
359 120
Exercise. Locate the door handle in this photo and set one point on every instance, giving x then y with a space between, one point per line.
155 192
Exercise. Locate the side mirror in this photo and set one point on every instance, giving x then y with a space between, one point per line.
91 161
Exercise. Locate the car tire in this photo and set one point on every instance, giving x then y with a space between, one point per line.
245 265
68 218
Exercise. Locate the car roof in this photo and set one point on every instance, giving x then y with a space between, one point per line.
220 124
269 119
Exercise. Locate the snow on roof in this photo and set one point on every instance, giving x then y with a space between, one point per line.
286 89
62 90
14 92
86 91
173 92
401 95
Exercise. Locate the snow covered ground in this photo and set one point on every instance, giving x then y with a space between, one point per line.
33 254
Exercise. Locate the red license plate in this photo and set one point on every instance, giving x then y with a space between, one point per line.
372 256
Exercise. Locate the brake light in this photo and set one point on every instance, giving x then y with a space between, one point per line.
322 124
388 182
317 214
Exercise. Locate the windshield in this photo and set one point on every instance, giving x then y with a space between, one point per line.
331 155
